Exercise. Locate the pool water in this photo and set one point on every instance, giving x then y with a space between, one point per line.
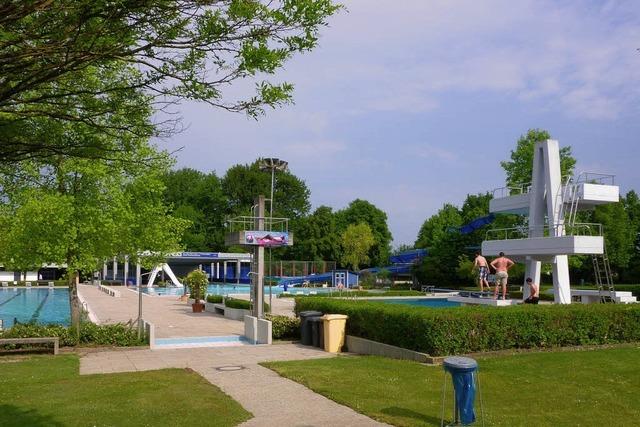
227 289
34 305
423 302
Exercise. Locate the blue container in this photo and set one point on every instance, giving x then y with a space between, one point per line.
463 373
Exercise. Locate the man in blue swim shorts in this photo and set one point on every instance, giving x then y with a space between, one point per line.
483 271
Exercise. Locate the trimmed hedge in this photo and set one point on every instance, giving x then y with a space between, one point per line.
90 334
284 327
460 330
337 294
214 299
241 304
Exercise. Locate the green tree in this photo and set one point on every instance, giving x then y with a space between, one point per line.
436 227
180 50
357 240
242 183
198 197
79 212
618 233
632 208
520 167
316 236
361 211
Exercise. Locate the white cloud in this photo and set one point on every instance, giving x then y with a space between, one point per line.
575 58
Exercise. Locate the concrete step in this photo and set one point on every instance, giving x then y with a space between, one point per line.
199 342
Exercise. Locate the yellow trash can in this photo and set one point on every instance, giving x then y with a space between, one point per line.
334 332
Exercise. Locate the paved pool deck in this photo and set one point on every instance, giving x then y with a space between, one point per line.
273 400
171 317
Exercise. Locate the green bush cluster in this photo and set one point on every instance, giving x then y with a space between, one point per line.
284 327
214 299
90 334
460 330
241 304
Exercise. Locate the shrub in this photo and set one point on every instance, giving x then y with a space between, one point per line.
197 281
284 327
241 304
459 330
214 299
90 334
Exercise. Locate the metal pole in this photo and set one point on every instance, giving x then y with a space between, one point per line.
273 173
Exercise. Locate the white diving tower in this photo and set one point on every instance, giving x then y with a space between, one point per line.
552 233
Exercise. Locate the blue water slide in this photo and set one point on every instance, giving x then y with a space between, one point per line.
476 224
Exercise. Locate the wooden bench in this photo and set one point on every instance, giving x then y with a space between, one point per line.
43 340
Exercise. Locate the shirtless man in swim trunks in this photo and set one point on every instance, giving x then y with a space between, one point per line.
483 271
502 264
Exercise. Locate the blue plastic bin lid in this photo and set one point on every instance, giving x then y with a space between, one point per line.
459 364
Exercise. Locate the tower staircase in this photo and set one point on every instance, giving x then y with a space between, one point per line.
601 266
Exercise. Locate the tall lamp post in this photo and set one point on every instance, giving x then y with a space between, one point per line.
272 164
139 280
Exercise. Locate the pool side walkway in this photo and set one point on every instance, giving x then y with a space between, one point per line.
273 400
171 317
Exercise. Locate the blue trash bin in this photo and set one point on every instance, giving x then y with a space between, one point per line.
463 372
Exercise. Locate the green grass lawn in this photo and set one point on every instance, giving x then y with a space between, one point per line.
48 391
572 388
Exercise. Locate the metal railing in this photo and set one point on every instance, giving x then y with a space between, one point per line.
243 223
511 190
582 177
594 178
526 232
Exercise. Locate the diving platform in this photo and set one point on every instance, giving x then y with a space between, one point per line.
593 296
545 246
469 300
516 200
551 203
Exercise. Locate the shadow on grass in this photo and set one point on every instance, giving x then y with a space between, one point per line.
408 413
14 416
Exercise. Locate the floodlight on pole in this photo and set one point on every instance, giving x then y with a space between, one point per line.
272 164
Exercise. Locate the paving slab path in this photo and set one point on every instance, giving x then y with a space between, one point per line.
171 317
272 399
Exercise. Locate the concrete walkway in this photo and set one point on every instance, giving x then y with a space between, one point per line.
273 400
171 317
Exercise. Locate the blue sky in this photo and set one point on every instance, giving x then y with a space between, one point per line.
410 104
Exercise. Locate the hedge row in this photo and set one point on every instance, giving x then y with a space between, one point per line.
214 299
241 304
460 330
90 334
338 294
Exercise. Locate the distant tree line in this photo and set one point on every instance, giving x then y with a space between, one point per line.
356 236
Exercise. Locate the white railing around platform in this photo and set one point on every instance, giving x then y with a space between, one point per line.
511 190
525 232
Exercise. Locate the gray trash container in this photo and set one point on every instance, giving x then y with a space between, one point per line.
317 331
305 326
463 372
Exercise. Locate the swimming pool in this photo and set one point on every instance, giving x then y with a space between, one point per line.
34 305
422 302
227 289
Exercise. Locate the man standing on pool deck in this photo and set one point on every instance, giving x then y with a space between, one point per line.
483 271
501 264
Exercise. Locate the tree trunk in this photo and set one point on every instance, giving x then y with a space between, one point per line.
74 301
